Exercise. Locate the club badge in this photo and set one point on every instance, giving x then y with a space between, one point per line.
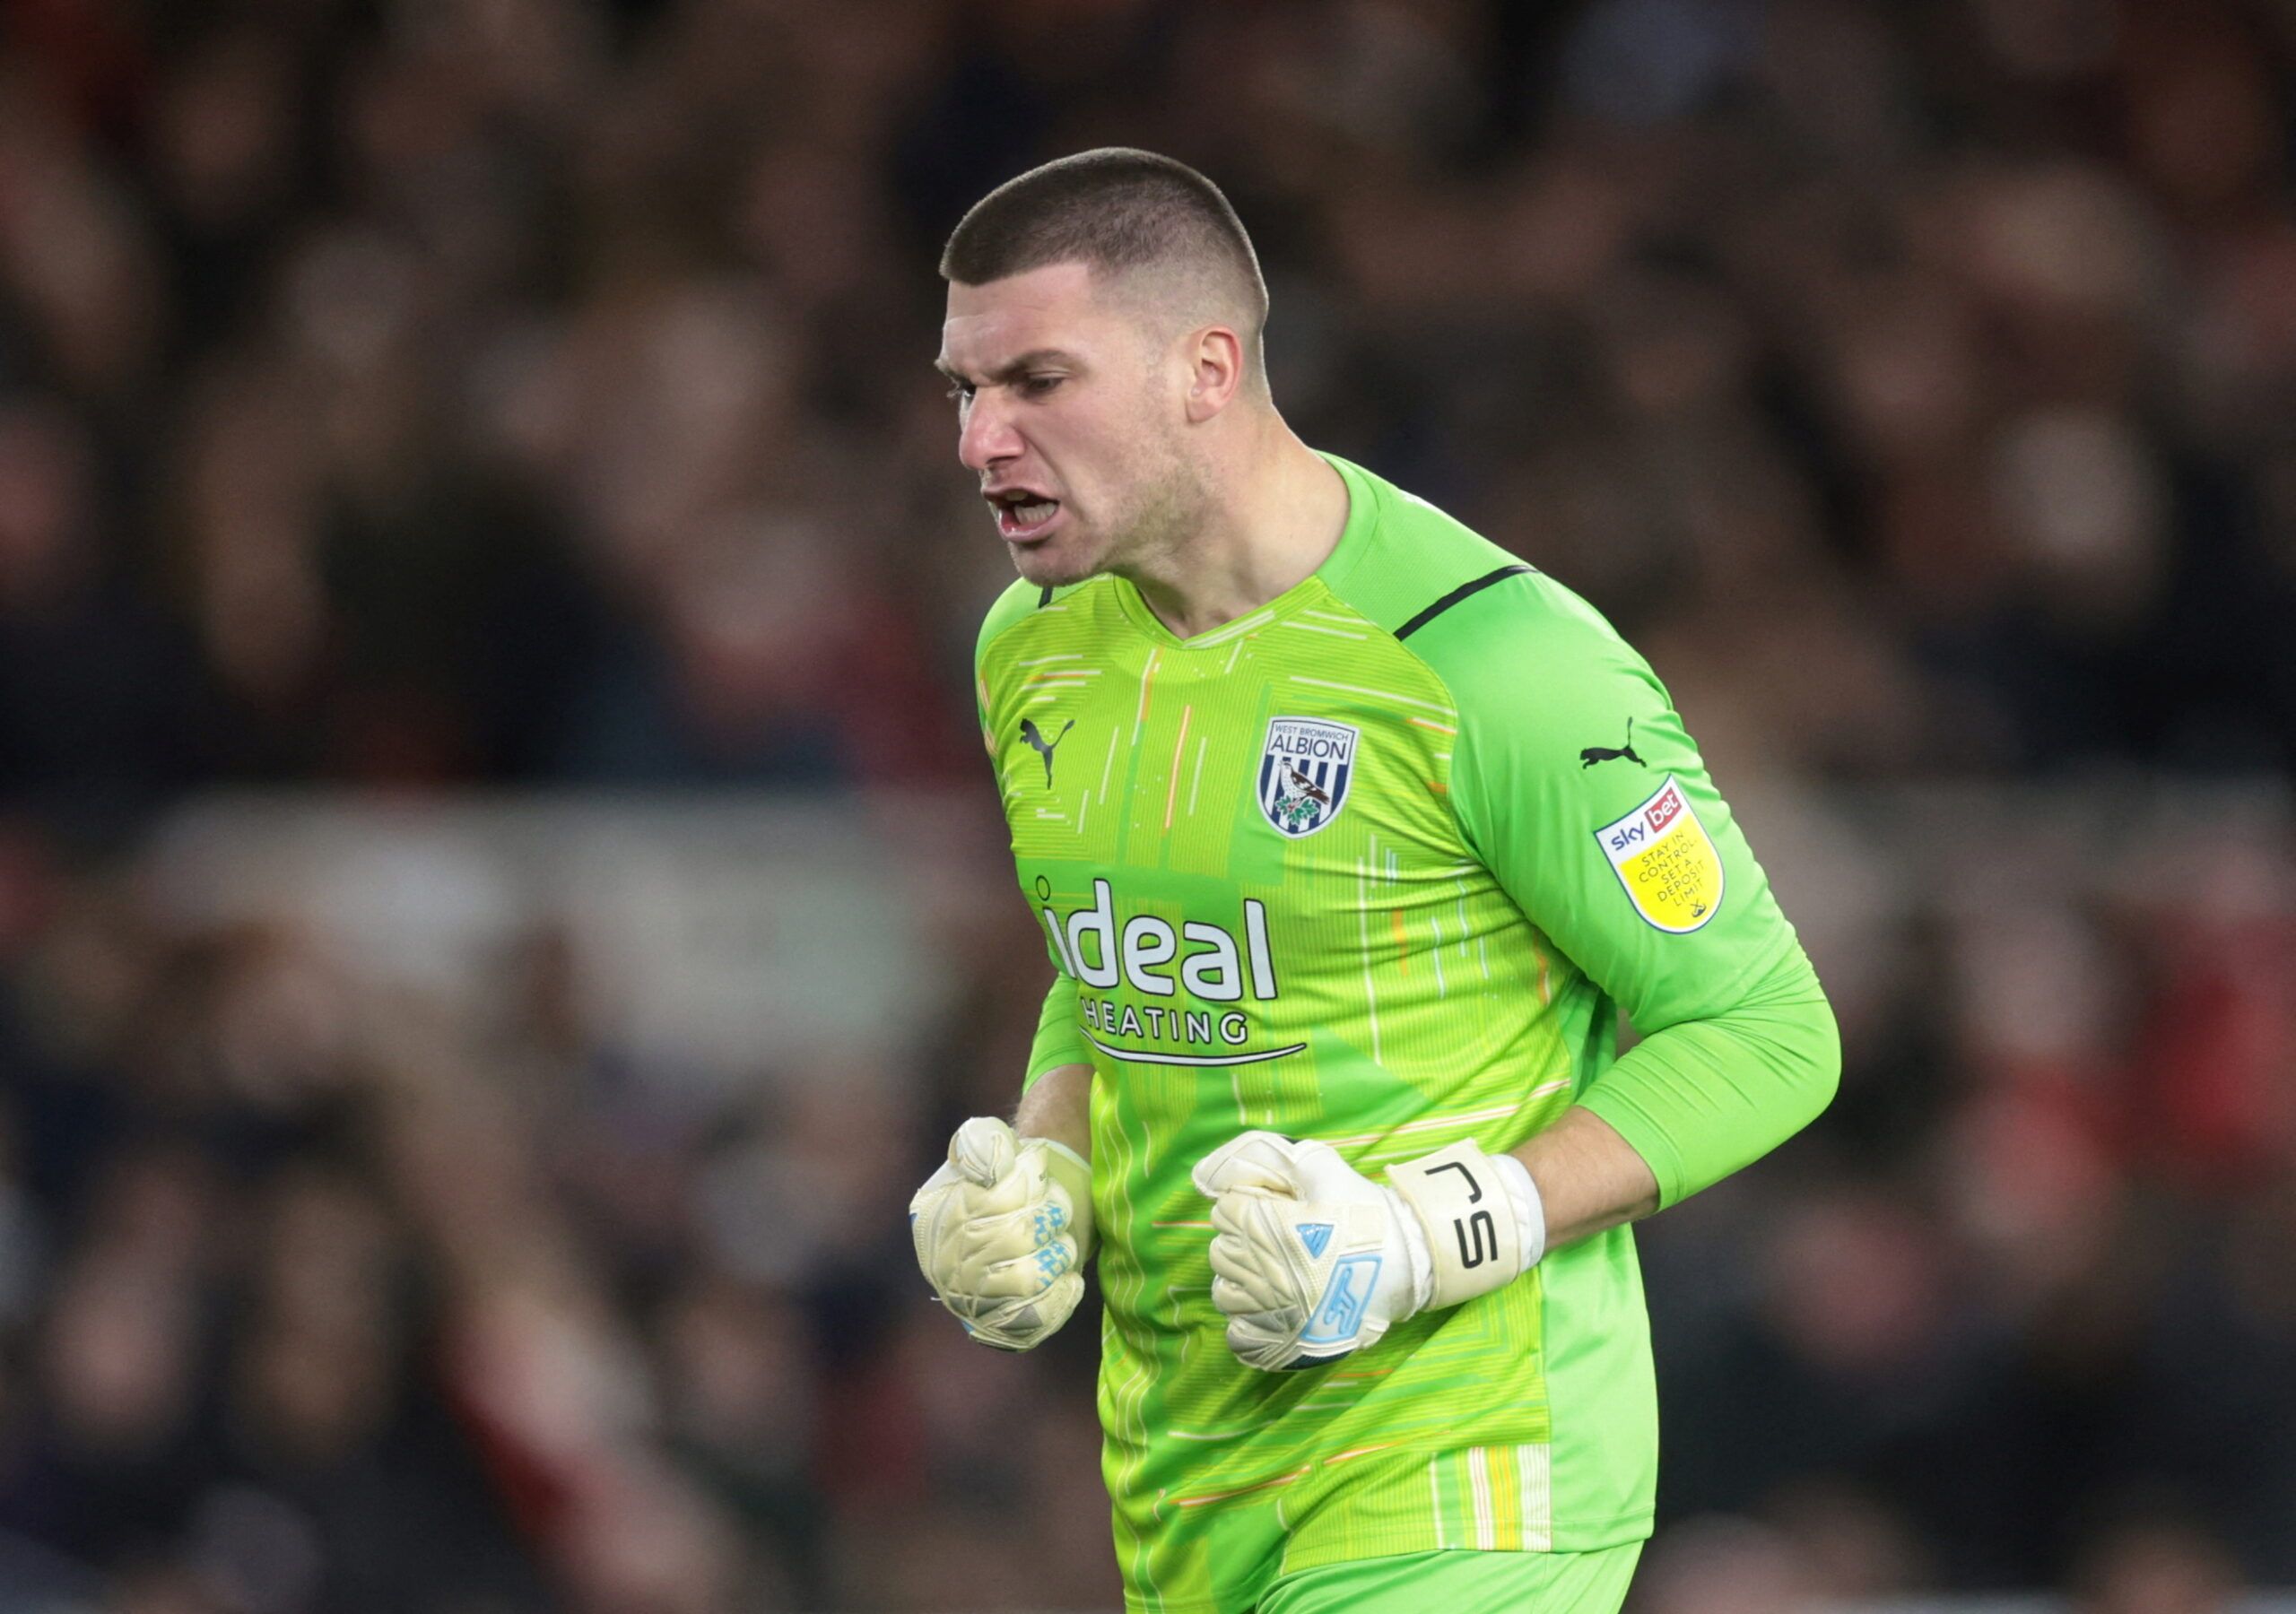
1665 860
1304 772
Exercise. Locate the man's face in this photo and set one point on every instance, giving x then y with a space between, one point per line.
1070 412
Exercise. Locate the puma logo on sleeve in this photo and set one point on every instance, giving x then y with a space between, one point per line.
1603 753
1042 746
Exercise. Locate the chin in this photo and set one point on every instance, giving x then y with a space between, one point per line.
1056 564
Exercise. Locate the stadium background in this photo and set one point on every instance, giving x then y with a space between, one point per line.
500 899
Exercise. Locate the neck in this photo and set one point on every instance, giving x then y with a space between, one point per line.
1276 513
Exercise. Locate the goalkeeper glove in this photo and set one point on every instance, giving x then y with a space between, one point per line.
1311 1260
1002 1231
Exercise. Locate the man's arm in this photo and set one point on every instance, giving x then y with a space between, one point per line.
1057 1085
1589 1177
1628 862
1058 1105
1690 1105
1003 1228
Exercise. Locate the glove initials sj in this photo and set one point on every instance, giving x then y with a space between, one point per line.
1001 1231
1311 1260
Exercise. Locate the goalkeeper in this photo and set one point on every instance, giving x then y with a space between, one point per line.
1350 834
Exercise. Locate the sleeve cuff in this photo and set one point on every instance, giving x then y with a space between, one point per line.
1644 1134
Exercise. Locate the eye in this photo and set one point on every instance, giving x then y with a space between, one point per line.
961 392
1036 387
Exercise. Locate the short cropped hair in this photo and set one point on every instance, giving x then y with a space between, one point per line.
1114 210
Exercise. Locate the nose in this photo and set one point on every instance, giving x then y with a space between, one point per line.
987 435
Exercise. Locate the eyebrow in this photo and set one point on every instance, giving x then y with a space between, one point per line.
1034 359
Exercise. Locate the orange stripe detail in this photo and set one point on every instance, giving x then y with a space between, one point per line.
1242 1490
1147 682
1402 955
1441 728
1172 787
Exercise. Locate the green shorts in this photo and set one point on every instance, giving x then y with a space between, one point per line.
1461 1583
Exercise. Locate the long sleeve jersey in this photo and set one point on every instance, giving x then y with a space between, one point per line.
1378 863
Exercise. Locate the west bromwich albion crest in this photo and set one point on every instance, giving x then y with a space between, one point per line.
1304 771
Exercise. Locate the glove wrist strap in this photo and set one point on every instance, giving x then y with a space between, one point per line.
1062 1152
1413 1233
1478 1218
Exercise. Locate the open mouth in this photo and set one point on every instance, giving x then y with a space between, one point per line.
1023 514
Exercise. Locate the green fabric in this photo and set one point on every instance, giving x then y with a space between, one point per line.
1740 1049
1705 1098
1434 952
1461 1583
1058 1041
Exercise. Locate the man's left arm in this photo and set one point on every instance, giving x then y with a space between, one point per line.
1615 843
1708 1096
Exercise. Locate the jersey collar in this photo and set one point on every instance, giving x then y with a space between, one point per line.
1354 537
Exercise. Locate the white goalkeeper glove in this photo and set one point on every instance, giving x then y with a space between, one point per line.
1312 1260
1002 1232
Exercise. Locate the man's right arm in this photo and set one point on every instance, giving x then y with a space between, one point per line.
1579 788
1060 1038
1058 1105
1055 1089
1003 1228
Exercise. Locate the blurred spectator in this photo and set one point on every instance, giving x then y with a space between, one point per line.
2155 1565
1724 1565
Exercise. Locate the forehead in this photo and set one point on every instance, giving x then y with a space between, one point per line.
1059 306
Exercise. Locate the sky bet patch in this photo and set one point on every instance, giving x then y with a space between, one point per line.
1665 860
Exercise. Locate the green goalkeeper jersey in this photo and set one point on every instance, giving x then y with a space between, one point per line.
1377 863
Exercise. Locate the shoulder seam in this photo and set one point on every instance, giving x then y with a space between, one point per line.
1044 598
1437 607
1458 707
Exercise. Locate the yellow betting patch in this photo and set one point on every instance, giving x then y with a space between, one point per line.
1666 861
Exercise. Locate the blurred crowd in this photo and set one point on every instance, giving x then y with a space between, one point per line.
436 391
428 395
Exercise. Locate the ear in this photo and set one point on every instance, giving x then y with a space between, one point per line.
1215 360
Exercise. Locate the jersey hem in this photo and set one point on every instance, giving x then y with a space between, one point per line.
1623 1531
1617 1532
